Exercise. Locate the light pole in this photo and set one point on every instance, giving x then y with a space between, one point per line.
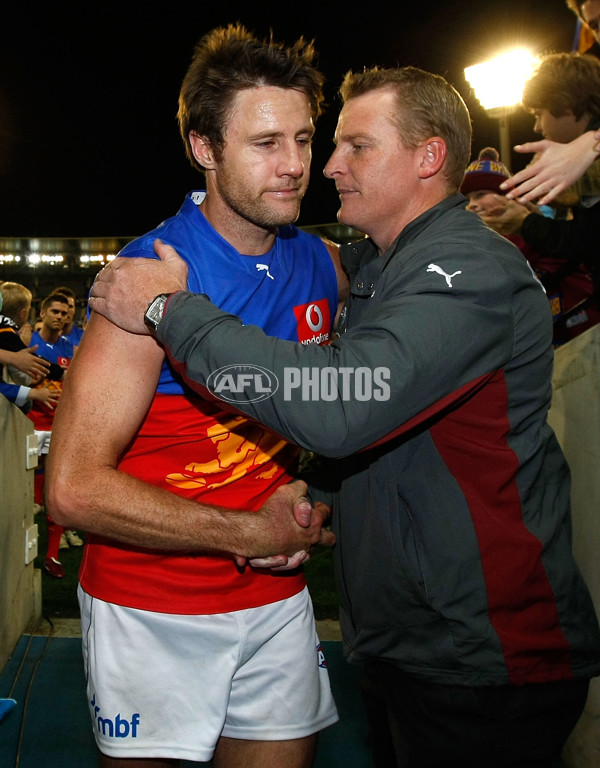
498 86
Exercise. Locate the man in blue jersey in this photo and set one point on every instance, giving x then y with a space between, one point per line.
52 345
71 331
168 484
70 337
58 351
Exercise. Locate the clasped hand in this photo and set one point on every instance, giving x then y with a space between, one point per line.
289 518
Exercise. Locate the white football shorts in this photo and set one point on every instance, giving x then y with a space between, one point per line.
169 685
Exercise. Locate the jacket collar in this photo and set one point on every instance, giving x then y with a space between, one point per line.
358 254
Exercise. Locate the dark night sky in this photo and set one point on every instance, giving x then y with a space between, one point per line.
89 144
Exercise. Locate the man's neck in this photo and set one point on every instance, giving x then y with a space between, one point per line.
50 337
392 229
246 237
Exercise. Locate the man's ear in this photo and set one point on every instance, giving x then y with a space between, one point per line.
434 155
202 150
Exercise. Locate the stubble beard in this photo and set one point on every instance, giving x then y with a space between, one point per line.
260 213
256 209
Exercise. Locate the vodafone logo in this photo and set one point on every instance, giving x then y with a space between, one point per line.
313 321
314 318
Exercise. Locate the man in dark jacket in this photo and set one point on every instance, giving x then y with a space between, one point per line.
458 588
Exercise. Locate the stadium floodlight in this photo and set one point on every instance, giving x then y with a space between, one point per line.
498 86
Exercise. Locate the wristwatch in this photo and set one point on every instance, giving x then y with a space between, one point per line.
154 313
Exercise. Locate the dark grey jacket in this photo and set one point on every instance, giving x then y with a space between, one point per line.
454 544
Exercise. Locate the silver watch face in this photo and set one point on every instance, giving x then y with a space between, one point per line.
154 312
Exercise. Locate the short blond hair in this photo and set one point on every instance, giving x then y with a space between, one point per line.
426 105
15 297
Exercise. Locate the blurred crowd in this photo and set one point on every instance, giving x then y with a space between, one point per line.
35 354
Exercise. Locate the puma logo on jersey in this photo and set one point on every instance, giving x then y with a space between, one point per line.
265 268
440 271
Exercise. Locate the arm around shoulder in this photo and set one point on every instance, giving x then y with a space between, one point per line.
110 386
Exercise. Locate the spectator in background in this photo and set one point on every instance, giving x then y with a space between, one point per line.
15 323
563 94
16 306
55 348
555 167
588 12
72 332
568 285
24 360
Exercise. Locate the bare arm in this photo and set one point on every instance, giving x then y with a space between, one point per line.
25 360
556 168
109 388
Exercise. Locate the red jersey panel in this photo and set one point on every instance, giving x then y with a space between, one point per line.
211 450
